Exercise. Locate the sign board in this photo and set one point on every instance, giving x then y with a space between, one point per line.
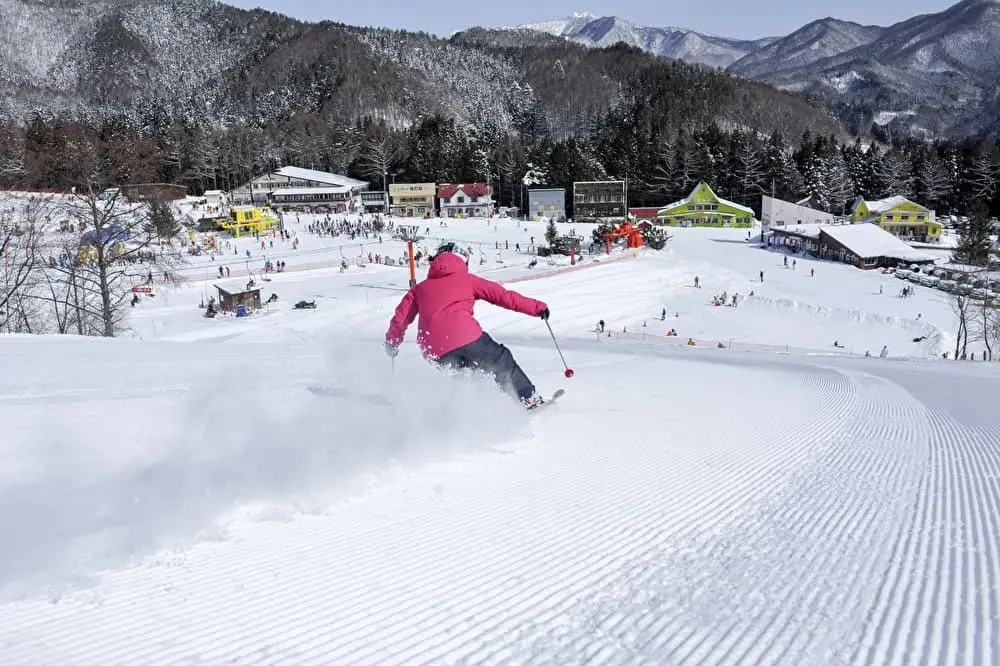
420 190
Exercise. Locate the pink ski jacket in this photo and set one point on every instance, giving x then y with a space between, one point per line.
445 301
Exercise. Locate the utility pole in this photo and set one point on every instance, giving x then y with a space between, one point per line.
413 265
626 196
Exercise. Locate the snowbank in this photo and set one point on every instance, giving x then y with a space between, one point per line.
935 340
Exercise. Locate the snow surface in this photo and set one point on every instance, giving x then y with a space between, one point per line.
182 496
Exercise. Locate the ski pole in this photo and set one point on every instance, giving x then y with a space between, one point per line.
569 371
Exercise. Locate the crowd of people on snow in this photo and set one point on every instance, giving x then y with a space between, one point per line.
366 227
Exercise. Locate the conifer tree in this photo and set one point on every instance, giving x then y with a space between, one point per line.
975 244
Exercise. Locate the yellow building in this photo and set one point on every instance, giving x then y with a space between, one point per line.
412 199
247 219
704 208
900 217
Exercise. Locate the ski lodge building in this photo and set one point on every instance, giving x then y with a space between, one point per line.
704 208
291 188
465 200
779 213
599 200
900 217
864 245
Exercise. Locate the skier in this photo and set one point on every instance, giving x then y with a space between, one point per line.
447 331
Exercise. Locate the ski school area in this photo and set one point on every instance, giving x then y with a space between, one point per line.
736 473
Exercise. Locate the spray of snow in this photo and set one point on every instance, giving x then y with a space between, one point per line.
97 502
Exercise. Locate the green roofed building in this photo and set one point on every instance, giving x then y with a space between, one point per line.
704 208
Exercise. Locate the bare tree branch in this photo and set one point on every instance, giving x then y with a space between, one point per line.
117 240
21 234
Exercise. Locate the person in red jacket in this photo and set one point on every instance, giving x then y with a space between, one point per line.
447 331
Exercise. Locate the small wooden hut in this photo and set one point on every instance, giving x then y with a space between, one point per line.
233 293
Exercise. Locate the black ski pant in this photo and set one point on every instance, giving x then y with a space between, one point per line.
493 358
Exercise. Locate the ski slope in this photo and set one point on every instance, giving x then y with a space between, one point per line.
184 496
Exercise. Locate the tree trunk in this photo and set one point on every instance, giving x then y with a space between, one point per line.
76 303
986 330
107 310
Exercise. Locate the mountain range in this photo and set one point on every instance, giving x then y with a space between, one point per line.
200 62
159 63
931 74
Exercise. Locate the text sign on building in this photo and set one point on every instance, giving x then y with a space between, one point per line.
422 190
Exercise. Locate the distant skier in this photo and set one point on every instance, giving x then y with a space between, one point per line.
447 331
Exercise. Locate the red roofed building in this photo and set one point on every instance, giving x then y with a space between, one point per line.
465 200
644 213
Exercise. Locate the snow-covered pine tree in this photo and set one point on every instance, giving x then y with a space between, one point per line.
974 242
551 233
655 238
838 183
981 176
897 176
160 221
932 182
815 182
665 167
749 176
693 165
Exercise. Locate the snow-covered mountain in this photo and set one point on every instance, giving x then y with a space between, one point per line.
153 63
818 40
933 73
668 42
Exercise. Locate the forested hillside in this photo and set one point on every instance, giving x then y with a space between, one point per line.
206 95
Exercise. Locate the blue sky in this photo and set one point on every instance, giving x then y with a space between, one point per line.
728 18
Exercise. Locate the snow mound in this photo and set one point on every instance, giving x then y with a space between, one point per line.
934 343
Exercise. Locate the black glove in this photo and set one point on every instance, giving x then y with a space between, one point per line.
544 314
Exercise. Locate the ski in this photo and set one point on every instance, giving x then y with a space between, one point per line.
549 401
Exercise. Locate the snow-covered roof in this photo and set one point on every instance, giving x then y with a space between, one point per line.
689 197
883 205
294 191
299 173
213 193
234 285
807 230
869 240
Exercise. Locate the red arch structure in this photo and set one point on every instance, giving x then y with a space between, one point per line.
631 233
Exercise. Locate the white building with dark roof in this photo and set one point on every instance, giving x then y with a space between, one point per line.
864 245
